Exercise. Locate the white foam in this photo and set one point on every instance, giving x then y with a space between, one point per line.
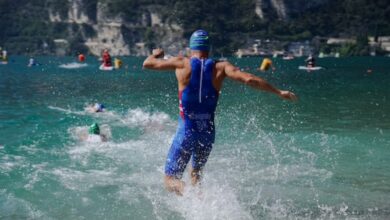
84 180
246 179
12 207
143 152
145 157
80 133
216 200
35 176
67 111
150 121
9 163
73 65
238 178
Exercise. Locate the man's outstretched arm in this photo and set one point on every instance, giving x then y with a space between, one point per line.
155 62
255 82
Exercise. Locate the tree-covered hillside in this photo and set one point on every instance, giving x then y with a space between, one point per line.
26 27
232 23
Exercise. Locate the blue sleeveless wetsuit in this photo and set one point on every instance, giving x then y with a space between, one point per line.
196 133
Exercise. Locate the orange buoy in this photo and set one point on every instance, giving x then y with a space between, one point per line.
81 57
266 64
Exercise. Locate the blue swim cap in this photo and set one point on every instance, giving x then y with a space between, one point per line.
200 41
99 107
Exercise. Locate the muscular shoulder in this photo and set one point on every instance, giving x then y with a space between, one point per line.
180 62
220 65
224 66
179 58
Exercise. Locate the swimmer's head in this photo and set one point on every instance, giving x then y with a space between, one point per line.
200 41
99 107
94 129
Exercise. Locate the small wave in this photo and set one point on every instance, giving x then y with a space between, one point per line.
215 200
73 65
67 111
35 176
130 153
10 162
81 132
84 180
150 121
157 121
13 207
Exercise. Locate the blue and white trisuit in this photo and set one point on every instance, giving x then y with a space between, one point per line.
196 130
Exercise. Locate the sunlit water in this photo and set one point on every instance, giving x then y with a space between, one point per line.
323 157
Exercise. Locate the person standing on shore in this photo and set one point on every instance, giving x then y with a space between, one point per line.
199 83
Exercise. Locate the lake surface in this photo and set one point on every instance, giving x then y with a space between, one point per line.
323 157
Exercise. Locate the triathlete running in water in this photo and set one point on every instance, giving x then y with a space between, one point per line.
199 83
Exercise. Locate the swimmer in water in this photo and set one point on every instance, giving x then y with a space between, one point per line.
97 107
31 62
106 58
310 61
200 80
94 134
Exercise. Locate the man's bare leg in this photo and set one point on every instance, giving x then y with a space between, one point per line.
173 184
195 176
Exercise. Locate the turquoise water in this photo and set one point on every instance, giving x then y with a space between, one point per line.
323 157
